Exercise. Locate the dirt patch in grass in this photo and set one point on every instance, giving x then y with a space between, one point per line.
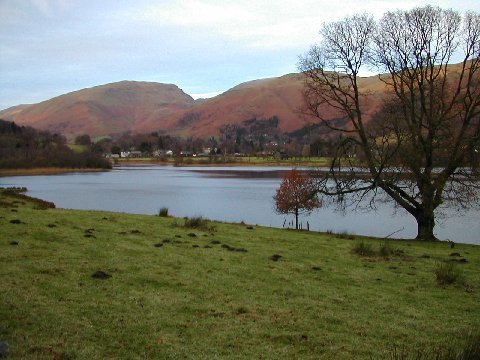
275 257
101 275
231 248
460 261
3 349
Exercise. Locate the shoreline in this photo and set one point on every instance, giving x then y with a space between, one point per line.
20 194
320 162
238 162
46 171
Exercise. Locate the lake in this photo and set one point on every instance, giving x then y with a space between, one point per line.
231 194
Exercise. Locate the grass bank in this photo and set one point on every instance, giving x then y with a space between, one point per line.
229 161
45 171
97 285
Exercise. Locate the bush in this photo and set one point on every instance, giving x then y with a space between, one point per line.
346 235
198 222
364 249
386 249
163 212
448 273
194 222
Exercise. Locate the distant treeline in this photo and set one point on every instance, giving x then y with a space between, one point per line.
252 137
23 147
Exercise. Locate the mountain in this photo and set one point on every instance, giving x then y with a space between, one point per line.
102 110
261 99
145 107
279 97
12 111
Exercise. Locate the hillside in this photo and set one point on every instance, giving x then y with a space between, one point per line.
102 110
263 99
144 107
260 99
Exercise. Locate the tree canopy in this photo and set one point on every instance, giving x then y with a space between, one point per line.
296 195
421 148
26 147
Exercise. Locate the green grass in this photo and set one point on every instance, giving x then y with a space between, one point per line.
219 294
233 161
79 148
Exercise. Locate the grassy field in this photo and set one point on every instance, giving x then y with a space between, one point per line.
98 285
79 148
230 161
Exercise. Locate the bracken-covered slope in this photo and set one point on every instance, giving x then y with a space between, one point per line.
145 107
262 99
102 110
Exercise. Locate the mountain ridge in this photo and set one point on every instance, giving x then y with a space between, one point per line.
142 107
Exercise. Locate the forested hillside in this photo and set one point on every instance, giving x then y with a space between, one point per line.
24 147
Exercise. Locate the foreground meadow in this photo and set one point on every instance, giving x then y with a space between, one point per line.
98 285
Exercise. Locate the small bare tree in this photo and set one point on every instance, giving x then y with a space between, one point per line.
296 195
422 147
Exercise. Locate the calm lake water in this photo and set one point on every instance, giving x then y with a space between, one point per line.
226 194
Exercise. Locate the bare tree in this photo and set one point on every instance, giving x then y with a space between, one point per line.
421 147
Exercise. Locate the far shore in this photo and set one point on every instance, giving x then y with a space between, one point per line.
229 161
186 162
46 171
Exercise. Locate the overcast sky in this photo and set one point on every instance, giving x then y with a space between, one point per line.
50 47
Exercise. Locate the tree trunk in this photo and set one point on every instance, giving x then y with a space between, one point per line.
296 219
426 223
